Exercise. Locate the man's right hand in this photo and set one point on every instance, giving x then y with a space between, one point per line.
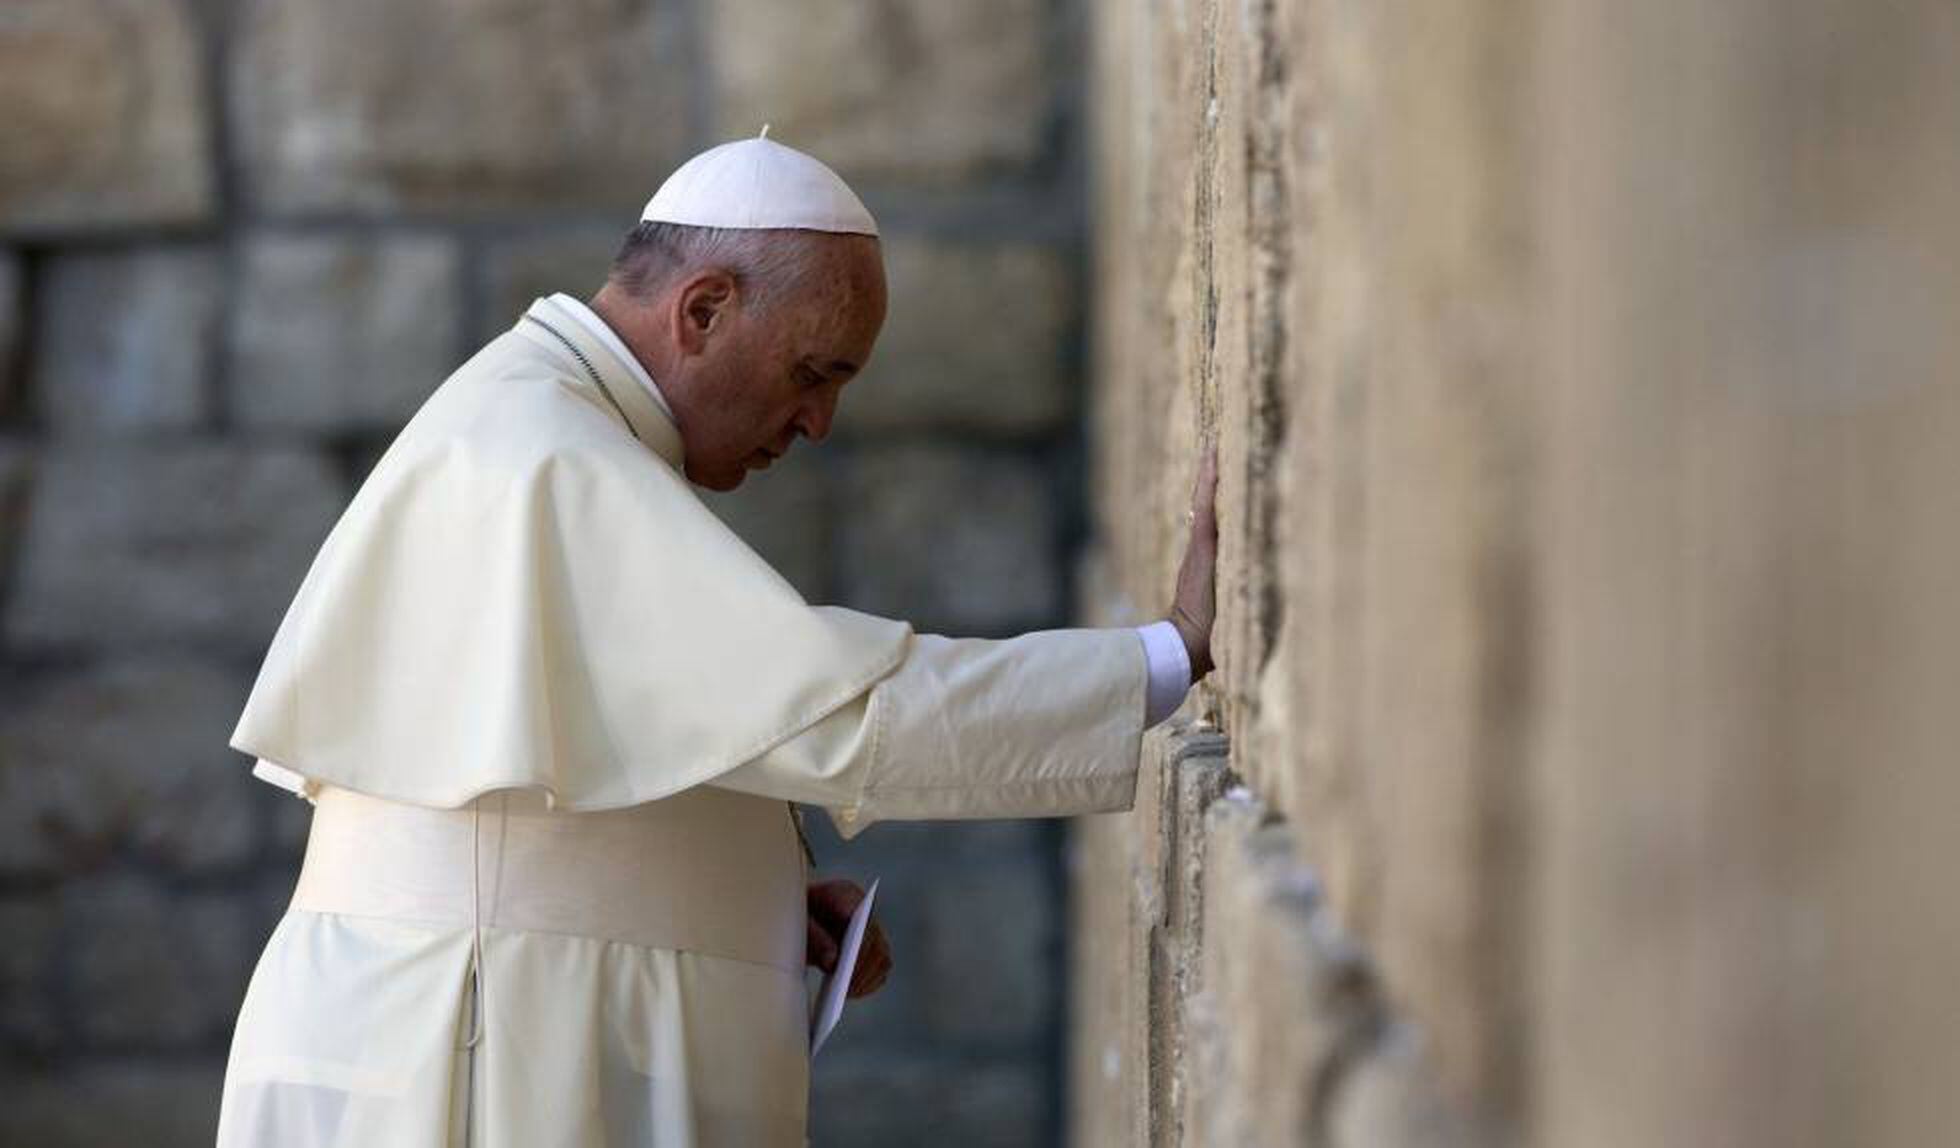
1196 605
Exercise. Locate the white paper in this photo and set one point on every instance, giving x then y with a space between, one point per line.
830 998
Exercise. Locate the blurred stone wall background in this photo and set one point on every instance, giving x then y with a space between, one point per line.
241 239
1584 767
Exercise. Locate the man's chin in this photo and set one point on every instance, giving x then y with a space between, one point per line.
720 480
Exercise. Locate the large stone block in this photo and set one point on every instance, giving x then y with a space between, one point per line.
171 1105
30 1020
130 757
12 298
932 92
517 270
976 339
953 539
1287 999
784 513
16 466
102 105
127 340
1388 1097
990 938
154 970
576 104
869 1101
340 335
201 542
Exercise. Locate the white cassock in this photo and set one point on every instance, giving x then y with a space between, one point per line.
549 712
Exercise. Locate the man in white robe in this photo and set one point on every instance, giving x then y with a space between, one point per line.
550 712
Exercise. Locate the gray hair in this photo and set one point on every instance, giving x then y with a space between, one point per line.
769 265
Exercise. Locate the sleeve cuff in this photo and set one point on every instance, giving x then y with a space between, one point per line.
1170 671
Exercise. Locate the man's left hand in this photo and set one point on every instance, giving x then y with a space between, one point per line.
831 906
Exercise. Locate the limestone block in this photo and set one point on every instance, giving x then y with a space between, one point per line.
1104 987
951 539
1743 920
338 334
128 756
926 93
1186 768
989 935
202 542
115 1102
784 514
890 844
16 466
342 107
1388 1098
128 340
1286 996
290 817
102 104
518 270
150 968
12 303
895 1101
29 1018
975 339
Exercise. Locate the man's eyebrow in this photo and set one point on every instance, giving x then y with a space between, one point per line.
843 366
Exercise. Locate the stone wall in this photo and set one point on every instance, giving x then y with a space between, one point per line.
240 240
1580 770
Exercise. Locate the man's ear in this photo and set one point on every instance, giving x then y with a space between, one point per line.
701 309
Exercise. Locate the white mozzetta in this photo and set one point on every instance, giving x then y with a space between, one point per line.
601 330
527 592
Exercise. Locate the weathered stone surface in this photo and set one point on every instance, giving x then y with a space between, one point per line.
952 539
336 334
128 756
29 1021
562 105
989 935
290 817
1743 924
784 514
152 970
1106 990
16 467
102 106
144 544
128 340
1286 996
12 300
173 1105
928 93
517 270
886 1102
1387 1098
975 339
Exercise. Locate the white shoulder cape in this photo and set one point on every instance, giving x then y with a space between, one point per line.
526 591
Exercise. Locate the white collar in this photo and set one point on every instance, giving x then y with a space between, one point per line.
591 321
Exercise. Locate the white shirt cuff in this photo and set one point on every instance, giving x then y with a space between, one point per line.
1170 671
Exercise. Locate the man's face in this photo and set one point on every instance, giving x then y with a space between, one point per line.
764 378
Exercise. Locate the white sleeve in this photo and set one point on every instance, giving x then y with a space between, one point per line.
1046 724
1170 670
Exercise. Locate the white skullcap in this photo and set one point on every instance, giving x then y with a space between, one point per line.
758 183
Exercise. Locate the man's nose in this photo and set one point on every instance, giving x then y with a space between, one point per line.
814 419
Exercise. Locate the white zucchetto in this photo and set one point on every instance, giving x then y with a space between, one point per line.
759 183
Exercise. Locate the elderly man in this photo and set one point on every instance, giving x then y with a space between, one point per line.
551 715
